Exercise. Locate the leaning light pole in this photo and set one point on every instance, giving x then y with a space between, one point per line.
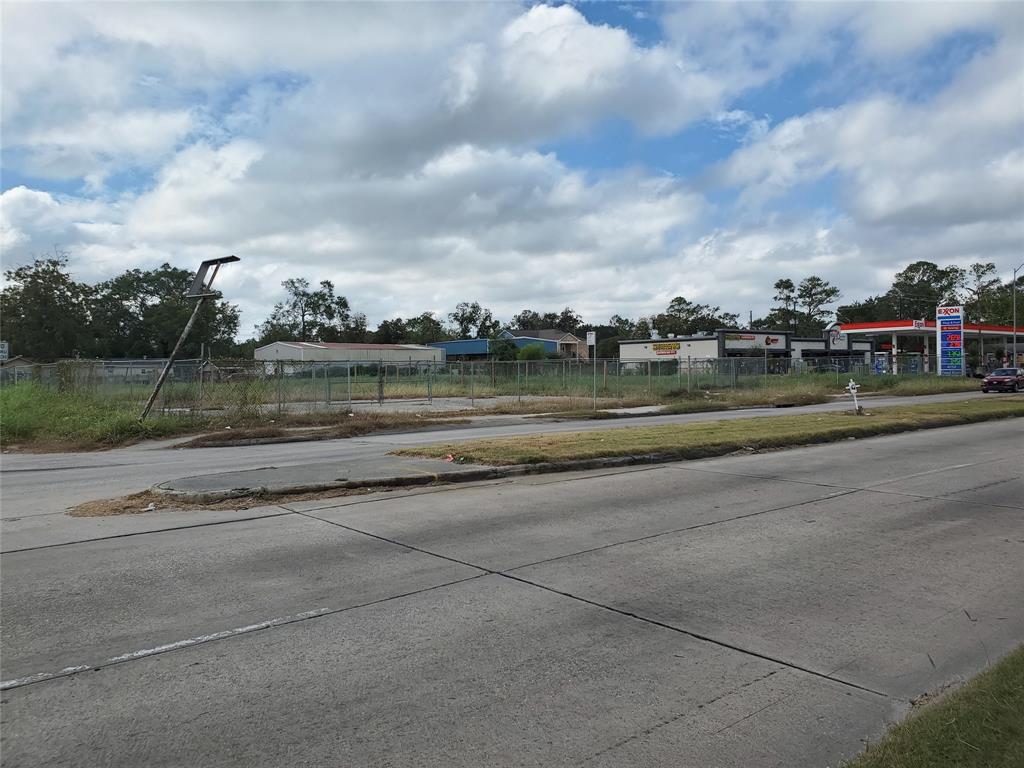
200 291
1013 287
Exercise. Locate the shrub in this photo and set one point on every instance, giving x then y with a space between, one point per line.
532 352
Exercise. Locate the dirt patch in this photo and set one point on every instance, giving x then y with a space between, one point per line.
147 501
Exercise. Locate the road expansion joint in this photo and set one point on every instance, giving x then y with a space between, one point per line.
621 612
853 489
283 513
700 636
696 526
191 642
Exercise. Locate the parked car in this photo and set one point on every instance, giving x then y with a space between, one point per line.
1004 380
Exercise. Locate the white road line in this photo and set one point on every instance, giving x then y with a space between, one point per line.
142 653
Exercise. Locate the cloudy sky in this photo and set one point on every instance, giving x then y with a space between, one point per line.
599 155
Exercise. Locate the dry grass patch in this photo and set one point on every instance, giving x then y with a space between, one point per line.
326 427
716 438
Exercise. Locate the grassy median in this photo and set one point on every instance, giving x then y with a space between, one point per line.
716 438
980 725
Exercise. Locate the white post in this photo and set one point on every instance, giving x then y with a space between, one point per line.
895 365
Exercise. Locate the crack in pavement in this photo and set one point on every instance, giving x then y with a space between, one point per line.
676 718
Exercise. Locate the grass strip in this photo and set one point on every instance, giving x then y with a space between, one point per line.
39 418
716 438
980 725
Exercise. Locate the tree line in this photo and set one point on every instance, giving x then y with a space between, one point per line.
47 315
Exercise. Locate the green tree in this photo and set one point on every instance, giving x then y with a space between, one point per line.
473 321
784 315
569 321
425 329
44 313
683 318
622 327
503 348
353 330
142 313
922 286
813 295
310 315
391 332
532 352
527 320
983 293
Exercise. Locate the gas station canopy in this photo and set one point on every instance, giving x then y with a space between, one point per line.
926 328
889 334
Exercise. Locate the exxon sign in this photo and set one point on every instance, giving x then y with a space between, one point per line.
949 332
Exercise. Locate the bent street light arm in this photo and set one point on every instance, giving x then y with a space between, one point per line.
200 291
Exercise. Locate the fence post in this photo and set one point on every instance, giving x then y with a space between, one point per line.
472 389
689 388
199 408
280 384
650 378
348 379
519 388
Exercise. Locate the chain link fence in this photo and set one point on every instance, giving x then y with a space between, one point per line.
256 387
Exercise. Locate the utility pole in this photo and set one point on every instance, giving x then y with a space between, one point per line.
1013 287
200 291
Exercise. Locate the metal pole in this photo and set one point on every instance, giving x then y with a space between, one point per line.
202 369
595 377
1013 287
519 389
472 389
688 386
348 379
280 387
171 359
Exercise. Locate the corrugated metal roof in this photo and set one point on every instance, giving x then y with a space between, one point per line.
343 345
547 334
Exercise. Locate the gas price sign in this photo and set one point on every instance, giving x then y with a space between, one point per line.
949 328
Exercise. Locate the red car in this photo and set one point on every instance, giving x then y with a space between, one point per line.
1004 380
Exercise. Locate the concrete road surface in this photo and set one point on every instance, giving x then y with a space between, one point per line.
768 610
33 485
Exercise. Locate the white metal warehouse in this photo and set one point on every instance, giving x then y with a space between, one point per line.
331 352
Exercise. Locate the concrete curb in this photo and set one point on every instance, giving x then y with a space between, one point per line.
400 481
